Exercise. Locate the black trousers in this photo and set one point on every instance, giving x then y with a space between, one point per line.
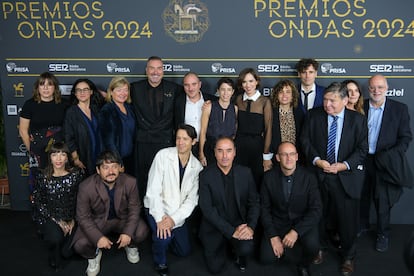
376 192
301 254
340 215
57 243
215 252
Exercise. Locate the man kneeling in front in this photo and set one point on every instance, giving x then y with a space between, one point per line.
108 202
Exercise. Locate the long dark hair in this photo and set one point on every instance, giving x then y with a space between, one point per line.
58 147
97 100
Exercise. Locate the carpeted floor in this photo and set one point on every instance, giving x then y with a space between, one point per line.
22 253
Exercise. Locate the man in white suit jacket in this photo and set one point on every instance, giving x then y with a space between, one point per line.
172 195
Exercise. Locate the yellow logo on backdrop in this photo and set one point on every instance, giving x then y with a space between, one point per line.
186 22
18 89
24 169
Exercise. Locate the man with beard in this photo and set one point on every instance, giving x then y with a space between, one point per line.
108 203
154 102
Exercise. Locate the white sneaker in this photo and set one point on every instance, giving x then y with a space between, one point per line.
94 265
132 254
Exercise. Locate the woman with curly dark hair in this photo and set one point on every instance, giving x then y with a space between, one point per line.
287 116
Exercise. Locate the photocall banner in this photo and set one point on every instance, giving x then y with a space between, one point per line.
351 39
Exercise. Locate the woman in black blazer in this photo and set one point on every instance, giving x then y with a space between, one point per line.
117 122
81 125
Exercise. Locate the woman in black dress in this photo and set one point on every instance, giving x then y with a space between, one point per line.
41 121
254 128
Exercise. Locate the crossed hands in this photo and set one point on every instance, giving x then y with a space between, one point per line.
243 232
66 226
330 168
288 241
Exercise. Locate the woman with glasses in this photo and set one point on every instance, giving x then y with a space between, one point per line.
117 122
40 123
81 125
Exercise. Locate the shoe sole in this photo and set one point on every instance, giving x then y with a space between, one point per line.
99 266
132 260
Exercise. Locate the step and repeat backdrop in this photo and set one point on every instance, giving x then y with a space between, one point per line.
351 39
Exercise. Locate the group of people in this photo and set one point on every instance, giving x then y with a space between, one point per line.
149 155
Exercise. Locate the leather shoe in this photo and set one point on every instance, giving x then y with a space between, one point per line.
241 263
162 269
303 271
382 243
318 258
347 267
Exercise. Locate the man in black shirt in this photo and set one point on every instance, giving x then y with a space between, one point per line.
290 211
230 207
153 100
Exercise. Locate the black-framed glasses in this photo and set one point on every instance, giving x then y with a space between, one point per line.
82 90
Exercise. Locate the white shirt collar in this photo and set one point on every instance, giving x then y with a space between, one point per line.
312 90
253 98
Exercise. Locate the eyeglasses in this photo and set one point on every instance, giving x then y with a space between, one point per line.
286 154
82 90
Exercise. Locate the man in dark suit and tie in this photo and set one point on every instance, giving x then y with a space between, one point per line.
230 207
311 94
291 208
334 140
389 135
153 100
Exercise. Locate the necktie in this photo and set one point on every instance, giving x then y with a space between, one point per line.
330 155
305 100
249 103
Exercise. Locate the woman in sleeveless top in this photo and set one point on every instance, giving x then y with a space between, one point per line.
217 119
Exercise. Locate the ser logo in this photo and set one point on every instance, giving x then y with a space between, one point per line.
167 67
58 67
380 68
268 68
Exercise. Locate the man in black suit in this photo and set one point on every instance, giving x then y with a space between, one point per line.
389 136
311 94
335 140
230 207
291 208
153 100
189 105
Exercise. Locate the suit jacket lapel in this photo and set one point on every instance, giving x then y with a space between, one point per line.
119 188
103 194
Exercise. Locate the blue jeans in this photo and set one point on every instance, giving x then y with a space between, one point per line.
179 242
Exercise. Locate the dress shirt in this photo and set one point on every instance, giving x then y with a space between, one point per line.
374 125
287 181
311 96
340 124
193 113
